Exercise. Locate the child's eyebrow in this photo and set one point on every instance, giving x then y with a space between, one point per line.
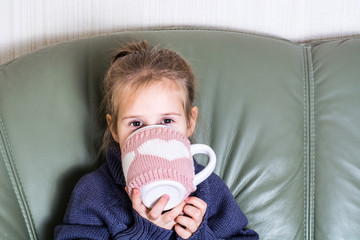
171 113
130 117
162 115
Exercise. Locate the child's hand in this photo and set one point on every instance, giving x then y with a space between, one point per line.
188 224
154 215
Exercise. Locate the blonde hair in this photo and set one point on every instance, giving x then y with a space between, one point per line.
134 67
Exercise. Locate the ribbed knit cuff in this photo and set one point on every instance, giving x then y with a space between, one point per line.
162 174
144 229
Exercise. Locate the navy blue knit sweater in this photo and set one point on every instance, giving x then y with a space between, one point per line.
100 208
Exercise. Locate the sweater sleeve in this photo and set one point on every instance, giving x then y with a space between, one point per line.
143 229
98 209
83 218
224 218
95 229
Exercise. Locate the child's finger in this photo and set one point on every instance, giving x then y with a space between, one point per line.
195 210
173 213
194 213
182 232
197 202
136 201
188 223
157 210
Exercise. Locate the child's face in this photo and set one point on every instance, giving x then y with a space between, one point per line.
159 103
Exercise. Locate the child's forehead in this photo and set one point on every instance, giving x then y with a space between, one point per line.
133 93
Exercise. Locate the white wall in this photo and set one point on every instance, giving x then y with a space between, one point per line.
27 25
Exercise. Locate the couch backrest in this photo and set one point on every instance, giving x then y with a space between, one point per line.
283 119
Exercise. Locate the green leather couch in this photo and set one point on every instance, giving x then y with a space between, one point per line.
283 119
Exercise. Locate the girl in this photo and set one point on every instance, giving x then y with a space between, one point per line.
146 87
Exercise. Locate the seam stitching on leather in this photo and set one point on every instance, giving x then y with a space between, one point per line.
309 142
305 141
312 141
11 167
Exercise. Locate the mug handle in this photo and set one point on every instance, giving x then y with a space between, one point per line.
205 173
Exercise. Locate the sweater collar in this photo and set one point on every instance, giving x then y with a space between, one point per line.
114 163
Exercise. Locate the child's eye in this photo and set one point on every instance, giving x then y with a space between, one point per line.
167 121
136 124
